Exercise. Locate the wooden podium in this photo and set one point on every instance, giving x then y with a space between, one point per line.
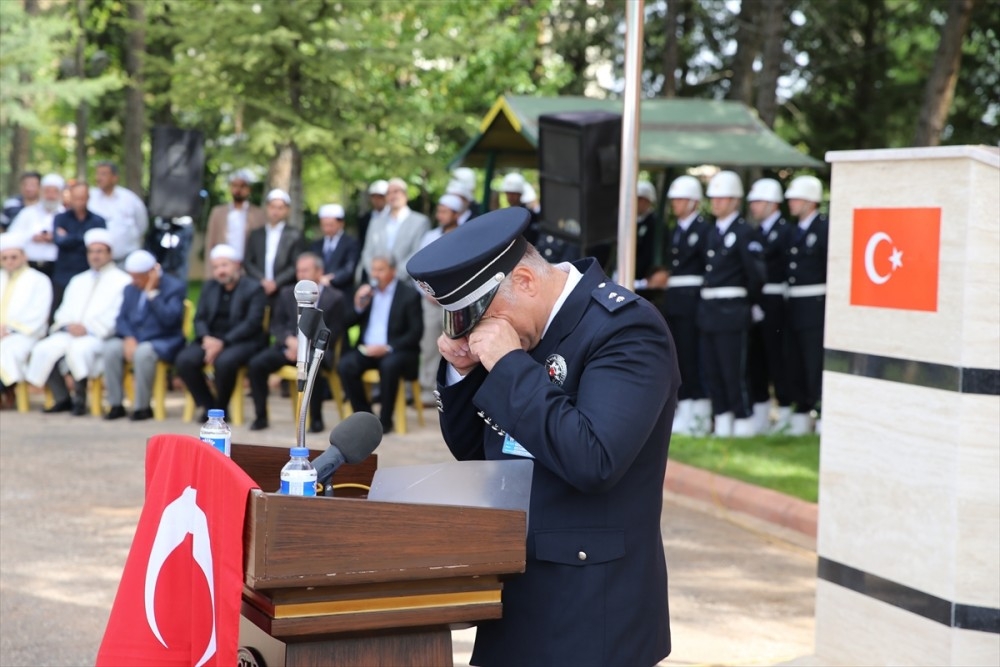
345 581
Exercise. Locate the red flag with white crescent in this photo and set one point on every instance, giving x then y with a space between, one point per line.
178 602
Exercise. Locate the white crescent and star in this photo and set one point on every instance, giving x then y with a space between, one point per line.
896 258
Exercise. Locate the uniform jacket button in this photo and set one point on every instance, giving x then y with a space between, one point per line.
792 265
582 555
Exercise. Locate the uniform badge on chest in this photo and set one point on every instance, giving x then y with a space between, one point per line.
556 366
730 239
773 236
692 238
810 240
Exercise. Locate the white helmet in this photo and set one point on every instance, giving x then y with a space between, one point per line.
725 184
685 187
513 182
466 176
766 189
808 188
646 190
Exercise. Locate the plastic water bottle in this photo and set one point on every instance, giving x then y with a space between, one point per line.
298 477
216 431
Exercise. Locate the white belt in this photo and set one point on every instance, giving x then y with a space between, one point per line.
723 292
685 281
777 289
806 290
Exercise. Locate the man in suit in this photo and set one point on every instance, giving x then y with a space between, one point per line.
68 230
339 250
806 299
377 192
232 223
391 325
284 329
560 365
734 274
397 234
228 331
149 328
273 248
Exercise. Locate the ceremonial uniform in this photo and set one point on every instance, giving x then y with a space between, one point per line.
25 304
592 404
806 308
686 263
734 274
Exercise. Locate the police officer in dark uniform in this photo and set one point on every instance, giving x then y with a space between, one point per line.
766 348
686 264
806 299
560 365
734 274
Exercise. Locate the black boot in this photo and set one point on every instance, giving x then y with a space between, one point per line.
80 398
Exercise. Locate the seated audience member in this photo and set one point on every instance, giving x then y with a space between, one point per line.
149 328
84 320
340 251
284 351
25 304
228 331
391 326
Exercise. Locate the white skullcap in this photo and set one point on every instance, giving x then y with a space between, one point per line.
528 195
454 202
224 251
242 175
457 187
646 190
140 261
378 187
513 182
53 179
399 183
466 176
98 235
331 211
11 241
278 193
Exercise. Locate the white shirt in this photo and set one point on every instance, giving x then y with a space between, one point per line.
377 331
723 224
236 228
33 220
684 223
804 224
392 225
330 242
271 247
125 216
769 222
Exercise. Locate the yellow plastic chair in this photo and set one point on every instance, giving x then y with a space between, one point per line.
289 374
371 378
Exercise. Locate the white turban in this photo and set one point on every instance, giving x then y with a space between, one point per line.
12 241
456 187
140 261
278 193
379 187
53 180
242 175
98 235
331 211
454 202
224 251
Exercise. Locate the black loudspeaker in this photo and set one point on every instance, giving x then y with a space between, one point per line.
579 174
177 171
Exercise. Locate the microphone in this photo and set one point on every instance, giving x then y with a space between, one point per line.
351 441
306 295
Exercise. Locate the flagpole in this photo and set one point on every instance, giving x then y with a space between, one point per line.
630 142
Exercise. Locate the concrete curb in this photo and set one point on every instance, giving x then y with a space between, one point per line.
765 504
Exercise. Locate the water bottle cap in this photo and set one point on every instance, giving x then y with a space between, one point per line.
300 451
216 413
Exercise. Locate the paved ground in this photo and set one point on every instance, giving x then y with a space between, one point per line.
71 490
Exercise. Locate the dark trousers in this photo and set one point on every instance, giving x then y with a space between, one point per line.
774 334
758 380
805 364
391 368
684 329
190 367
724 355
261 366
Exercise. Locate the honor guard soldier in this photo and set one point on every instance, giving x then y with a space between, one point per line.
806 299
686 264
558 364
766 348
734 274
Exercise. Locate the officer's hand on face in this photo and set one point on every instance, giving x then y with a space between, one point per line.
457 353
492 339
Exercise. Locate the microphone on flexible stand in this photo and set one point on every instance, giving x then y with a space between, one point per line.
306 296
351 441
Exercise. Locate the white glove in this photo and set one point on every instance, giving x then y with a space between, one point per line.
757 313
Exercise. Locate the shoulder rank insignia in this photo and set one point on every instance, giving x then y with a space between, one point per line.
612 296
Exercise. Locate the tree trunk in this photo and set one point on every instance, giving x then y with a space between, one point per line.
748 38
772 33
20 138
296 216
871 71
82 130
671 51
940 89
135 108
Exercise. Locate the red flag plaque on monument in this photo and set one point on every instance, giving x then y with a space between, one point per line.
178 602
894 258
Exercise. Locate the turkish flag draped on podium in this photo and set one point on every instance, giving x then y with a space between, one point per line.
178 602
894 258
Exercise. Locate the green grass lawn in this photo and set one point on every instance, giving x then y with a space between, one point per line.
786 464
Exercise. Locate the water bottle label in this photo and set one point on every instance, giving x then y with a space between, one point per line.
298 482
221 443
